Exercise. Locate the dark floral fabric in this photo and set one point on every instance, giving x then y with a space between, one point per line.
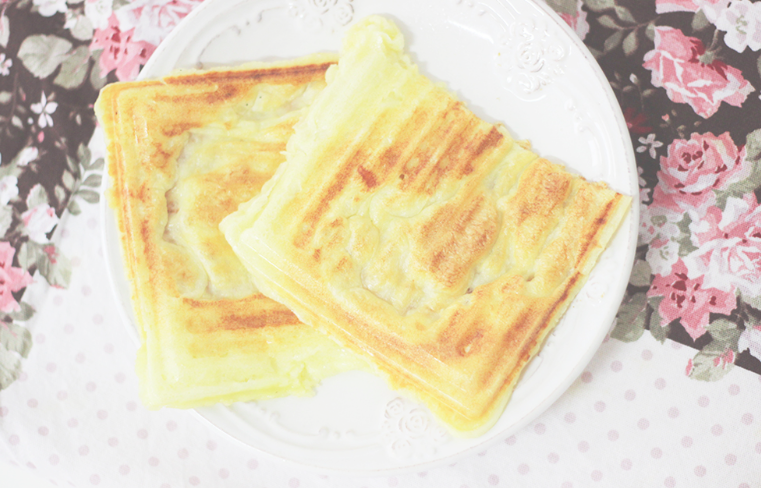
687 74
55 55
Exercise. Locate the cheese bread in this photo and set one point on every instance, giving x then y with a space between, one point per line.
183 152
419 235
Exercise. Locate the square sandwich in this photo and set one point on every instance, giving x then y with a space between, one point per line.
183 152
420 236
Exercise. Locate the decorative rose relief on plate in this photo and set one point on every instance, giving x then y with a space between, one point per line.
409 430
529 57
323 13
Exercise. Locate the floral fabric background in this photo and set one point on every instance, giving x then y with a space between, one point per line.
687 74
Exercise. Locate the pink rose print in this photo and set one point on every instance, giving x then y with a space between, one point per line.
676 66
38 221
689 300
693 168
11 279
729 247
577 22
711 8
120 51
153 20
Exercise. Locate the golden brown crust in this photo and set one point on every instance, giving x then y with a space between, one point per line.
420 235
183 152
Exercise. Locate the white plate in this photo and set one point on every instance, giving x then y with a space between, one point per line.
515 62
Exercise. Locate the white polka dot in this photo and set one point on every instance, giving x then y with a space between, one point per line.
700 471
600 406
583 446
523 469
142 434
153 461
224 474
83 450
193 480
747 418
540 428
616 366
703 401
493 479
673 412
183 453
643 424
252 464
613 435
586 377
43 431
660 383
647 354
102 414
510 440
32 403
656 453
626 464
687 441
730 459
717 430
124 470
596 475
630 395
669 482
570 417
211 445
553 457
734 389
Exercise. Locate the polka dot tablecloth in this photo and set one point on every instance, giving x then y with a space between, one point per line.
74 416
